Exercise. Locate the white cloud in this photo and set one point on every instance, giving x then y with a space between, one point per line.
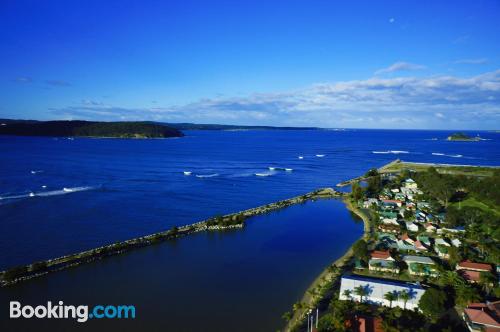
399 66
401 102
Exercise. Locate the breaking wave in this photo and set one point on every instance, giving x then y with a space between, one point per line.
391 152
32 194
207 175
447 155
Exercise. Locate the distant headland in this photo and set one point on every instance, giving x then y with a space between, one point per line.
133 129
79 128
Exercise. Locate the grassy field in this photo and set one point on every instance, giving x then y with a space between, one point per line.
472 202
398 166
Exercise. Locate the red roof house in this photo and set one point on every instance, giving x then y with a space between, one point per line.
381 254
483 316
468 265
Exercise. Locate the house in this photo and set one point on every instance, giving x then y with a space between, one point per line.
453 231
425 240
471 271
387 240
441 242
420 265
420 246
430 228
410 206
389 228
410 184
392 203
482 316
456 243
442 251
374 290
382 261
388 214
411 226
400 196
370 202
390 221
364 324
404 245
407 239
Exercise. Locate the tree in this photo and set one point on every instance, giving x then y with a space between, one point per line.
371 172
433 303
287 316
360 249
455 256
487 281
361 291
465 294
356 191
374 185
409 215
347 293
390 296
405 296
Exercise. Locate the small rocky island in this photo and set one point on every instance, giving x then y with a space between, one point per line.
462 137
79 128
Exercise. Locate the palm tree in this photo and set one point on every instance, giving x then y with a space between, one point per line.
487 280
347 293
361 291
405 296
390 296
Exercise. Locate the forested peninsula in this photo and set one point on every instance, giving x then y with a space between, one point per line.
78 128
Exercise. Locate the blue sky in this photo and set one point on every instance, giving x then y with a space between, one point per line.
361 64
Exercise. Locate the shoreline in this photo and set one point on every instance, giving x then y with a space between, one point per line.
327 275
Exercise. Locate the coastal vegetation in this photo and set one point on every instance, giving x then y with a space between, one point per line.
462 137
436 227
88 129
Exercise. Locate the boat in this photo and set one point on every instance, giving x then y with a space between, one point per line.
68 190
187 173
272 168
320 155
301 157
288 169
32 194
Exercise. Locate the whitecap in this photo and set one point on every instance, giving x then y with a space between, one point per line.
47 193
301 157
187 173
263 174
320 155
288 169
207 175
391 152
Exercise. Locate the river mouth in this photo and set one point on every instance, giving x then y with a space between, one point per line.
236 280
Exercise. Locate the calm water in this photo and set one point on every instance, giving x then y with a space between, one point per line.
118 189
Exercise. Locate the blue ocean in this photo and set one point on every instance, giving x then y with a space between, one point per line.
59 196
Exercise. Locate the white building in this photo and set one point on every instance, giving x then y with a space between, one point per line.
410 226
376 289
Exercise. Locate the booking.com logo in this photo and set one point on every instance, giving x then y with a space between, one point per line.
81 313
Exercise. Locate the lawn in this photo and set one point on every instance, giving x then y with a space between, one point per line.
472 202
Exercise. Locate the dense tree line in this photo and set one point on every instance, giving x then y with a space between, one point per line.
89 128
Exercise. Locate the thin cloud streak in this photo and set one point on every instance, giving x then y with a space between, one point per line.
400 66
